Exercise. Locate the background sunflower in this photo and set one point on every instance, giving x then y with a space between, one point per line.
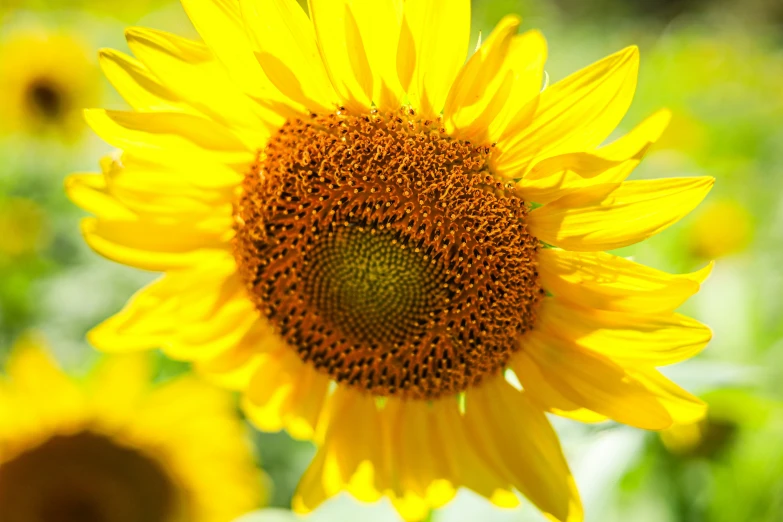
116 446
715 65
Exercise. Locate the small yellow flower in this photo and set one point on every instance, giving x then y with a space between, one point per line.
343 208
46 79
116 448
721 228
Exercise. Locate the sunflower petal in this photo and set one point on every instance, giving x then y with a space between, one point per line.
188 69
507 93
590 219
601 280
557 176
142 324
344 53
525 63
137 85
472 92
416 453
288 52
433 46
153 245
575 114
548 396
285 393
140 131
234 367
589 380
220 24
519 438
683 407
192 314
628 338
117 386
348 457
379 24
89 191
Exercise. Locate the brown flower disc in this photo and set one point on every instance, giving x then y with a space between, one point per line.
86 477
386 254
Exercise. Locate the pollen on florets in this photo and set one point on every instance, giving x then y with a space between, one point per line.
386 254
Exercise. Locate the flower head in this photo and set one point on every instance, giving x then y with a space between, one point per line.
390 250
115 447
46 79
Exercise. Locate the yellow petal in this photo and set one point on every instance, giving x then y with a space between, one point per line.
525 64
285 393
348 456
626 338
189 69
379 24
220 24
117 386
468 465
178 167
556 176
516 435
639 139
192 314
478 81
152 245
51 401
590 220
137 85
89 191
170 131
127 195
343 51
233 368
407 451
288 52
433 46
547 396
601 280
589 380
683 407
575 114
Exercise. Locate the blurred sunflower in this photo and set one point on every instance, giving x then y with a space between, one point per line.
115 449
377 278
46 80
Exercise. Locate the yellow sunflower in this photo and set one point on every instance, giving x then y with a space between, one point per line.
391 250
47 79
115 449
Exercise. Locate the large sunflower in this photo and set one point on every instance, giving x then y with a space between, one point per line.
46 79
116 449
391 250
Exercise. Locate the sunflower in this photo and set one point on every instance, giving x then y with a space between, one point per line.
114 448
46 78
393 251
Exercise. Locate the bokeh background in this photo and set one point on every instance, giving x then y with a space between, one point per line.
717 64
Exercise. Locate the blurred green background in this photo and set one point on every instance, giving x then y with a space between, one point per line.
717 64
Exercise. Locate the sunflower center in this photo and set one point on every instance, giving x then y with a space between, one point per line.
45 99
379 291
84 478
386 253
